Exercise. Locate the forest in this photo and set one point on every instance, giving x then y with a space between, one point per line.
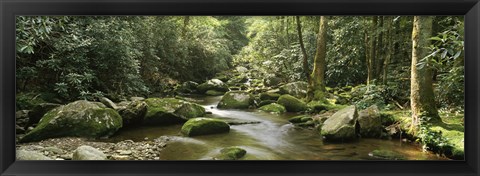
240 87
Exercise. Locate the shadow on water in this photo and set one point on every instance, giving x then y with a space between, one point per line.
272 137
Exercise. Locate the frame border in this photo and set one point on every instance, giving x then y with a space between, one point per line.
11 8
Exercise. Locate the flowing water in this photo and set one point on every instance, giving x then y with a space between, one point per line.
265 137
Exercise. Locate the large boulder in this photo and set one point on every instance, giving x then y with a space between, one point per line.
214 93
187 87
236 100
30 155
296 89
133 113
80 118
85 152
292 104
204 126
370 122
213 84
39 110
273 108
166 111
342 125
272 81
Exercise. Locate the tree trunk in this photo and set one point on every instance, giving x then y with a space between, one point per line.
390 47
370 43
306 71
316 87
380 50
186 20
422 100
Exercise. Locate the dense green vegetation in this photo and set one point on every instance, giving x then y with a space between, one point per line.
410 68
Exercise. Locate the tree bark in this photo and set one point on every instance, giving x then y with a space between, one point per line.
306 71
422 100
316 87
390 47
370 43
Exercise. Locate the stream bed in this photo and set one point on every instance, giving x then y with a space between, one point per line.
265 136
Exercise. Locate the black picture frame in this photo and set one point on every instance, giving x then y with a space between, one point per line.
10 8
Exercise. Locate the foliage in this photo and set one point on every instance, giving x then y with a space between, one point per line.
433 140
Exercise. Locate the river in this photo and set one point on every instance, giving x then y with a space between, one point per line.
270 137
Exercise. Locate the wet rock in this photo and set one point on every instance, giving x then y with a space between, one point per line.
342 125
31 155
236 100
386 154
300 119
370 122
292 104
231 153
109 103
165 111
269 96
272 81
88 153
187 87
296 89
266 102
273 108
214 93
80 118
203 126
213 84
21 118
133 113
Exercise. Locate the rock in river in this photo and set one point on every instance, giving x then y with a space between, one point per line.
80 118
213 84
231 153
165 111
370 122
133 113
273 108
292 104
203 126
296 89
342 125
236 100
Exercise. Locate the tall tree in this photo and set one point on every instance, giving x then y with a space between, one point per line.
370 48
422 99
316 87
302 46
390 47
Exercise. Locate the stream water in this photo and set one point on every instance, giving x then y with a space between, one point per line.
271 137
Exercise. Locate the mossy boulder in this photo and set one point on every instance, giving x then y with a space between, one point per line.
238 79
187 87
214 93
342 125
266 102
39 110
80 118
387 155
296 89
272 81
204 126
231 153
300 119
133 113
236 100
370 122
269 96
273 108
291 103
166 111
213 84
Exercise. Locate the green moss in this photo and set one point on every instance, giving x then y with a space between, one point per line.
269 96
214 93
165 111
300 119
387 154
266 102
292 104
231 153
203 126
273 108
80 119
